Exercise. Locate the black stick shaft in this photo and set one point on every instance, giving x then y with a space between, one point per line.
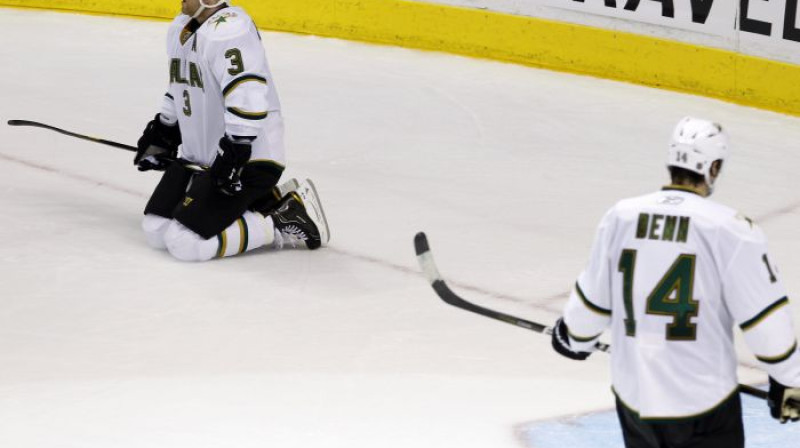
444 292
754 391
103 141
188 165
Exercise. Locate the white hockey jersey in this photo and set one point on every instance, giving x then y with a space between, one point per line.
220 83
672 272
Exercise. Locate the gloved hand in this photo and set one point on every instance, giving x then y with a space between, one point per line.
226 170
560 341
157 143
783 402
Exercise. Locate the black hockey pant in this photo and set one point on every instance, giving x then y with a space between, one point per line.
720 428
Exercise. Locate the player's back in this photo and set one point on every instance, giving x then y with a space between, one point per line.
672 332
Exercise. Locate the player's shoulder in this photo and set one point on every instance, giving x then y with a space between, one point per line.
740 226
228 23
725 219
622 210
632 206
178 23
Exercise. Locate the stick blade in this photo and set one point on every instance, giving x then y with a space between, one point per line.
425 259
421 243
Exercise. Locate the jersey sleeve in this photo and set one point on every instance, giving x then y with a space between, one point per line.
238 62
588 310
758 303
168 111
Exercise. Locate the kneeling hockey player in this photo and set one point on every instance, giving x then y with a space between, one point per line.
223 111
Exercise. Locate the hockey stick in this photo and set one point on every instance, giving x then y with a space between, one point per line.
186 164
425 259
764 395
428 266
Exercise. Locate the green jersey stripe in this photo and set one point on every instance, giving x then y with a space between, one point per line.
590 305
779 358
758 318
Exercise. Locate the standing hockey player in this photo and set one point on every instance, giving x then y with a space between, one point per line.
672 272
223 111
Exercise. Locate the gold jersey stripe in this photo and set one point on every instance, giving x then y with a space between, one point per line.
222 239
582 338
779 358
243 236
241 80
683 188
247 115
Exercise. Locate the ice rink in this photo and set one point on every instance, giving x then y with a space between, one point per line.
105 342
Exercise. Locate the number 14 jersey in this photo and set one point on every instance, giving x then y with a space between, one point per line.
672 272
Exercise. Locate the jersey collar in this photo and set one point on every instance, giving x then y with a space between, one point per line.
194 25
685 188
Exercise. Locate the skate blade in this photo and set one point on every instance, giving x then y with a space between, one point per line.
316 205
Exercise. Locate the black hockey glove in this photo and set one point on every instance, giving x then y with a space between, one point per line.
226 170
783 402
560 341
158 143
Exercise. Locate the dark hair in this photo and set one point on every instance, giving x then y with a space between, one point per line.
683 176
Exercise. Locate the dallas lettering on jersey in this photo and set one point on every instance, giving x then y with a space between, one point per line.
177 76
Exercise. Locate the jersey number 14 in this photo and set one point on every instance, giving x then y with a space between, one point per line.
672 296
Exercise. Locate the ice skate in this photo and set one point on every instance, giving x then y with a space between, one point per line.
299 216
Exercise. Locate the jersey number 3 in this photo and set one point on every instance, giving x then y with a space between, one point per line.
237 65
672 296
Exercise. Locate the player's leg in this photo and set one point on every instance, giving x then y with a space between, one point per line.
722 427
167 195
155 227
207 211
248 232
298 218
270 201
635 432
211 224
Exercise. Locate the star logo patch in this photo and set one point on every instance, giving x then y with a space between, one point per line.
223 18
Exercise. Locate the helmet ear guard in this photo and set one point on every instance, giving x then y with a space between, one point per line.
695 145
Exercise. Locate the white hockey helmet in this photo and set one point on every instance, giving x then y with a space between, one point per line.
696 144
204 6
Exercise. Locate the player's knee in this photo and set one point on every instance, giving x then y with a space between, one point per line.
186 245
155 228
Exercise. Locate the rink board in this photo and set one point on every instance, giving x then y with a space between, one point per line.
556 45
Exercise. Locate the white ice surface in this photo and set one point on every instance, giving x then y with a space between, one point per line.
105 342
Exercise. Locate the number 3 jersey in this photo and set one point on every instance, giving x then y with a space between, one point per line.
220 83
672 272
